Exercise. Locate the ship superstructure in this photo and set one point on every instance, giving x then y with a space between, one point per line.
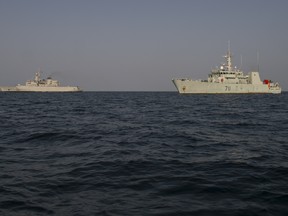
227 79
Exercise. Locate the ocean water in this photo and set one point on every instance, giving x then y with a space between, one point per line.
143 153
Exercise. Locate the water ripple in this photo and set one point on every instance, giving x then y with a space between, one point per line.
143 153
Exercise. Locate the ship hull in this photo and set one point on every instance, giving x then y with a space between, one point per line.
7 89
23 88
186 86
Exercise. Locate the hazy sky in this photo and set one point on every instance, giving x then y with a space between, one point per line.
139 45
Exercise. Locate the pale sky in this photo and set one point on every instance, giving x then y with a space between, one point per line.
139 45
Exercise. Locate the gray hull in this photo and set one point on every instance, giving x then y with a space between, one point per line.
23 88
186 86
7 88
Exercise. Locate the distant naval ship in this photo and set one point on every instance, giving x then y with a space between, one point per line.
227 79
41 85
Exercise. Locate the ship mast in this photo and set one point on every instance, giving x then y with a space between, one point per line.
229 58
37 76
258 62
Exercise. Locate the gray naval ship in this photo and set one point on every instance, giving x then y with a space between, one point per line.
227 79
41 85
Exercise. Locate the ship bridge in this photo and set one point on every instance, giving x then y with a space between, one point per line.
226 73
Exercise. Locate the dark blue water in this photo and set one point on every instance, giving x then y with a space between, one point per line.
143 153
